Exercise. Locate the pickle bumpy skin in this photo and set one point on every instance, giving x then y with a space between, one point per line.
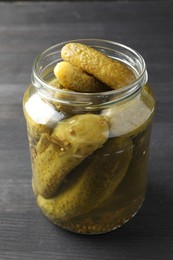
75 79
71 142
109 71
92 183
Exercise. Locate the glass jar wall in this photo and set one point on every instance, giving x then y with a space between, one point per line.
89 151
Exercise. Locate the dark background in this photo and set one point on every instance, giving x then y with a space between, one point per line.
26 29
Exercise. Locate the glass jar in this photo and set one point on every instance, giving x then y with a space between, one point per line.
89 151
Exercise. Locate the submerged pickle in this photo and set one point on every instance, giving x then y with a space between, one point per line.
72 140
91 183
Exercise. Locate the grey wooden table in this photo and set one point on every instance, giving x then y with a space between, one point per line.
27 29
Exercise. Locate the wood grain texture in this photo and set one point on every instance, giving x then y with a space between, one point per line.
25 30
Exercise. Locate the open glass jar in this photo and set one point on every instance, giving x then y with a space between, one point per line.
89 151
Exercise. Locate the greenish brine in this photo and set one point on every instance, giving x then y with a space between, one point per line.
89 151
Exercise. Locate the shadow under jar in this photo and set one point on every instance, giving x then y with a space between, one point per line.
89 151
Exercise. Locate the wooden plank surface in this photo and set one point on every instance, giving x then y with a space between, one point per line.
25 30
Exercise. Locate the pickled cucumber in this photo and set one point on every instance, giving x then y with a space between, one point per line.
113 73
71 142
75 79
91 183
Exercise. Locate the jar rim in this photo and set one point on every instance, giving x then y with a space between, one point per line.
121 93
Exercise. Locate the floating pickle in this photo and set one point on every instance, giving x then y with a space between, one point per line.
113 73
73 78
97 178
72 140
